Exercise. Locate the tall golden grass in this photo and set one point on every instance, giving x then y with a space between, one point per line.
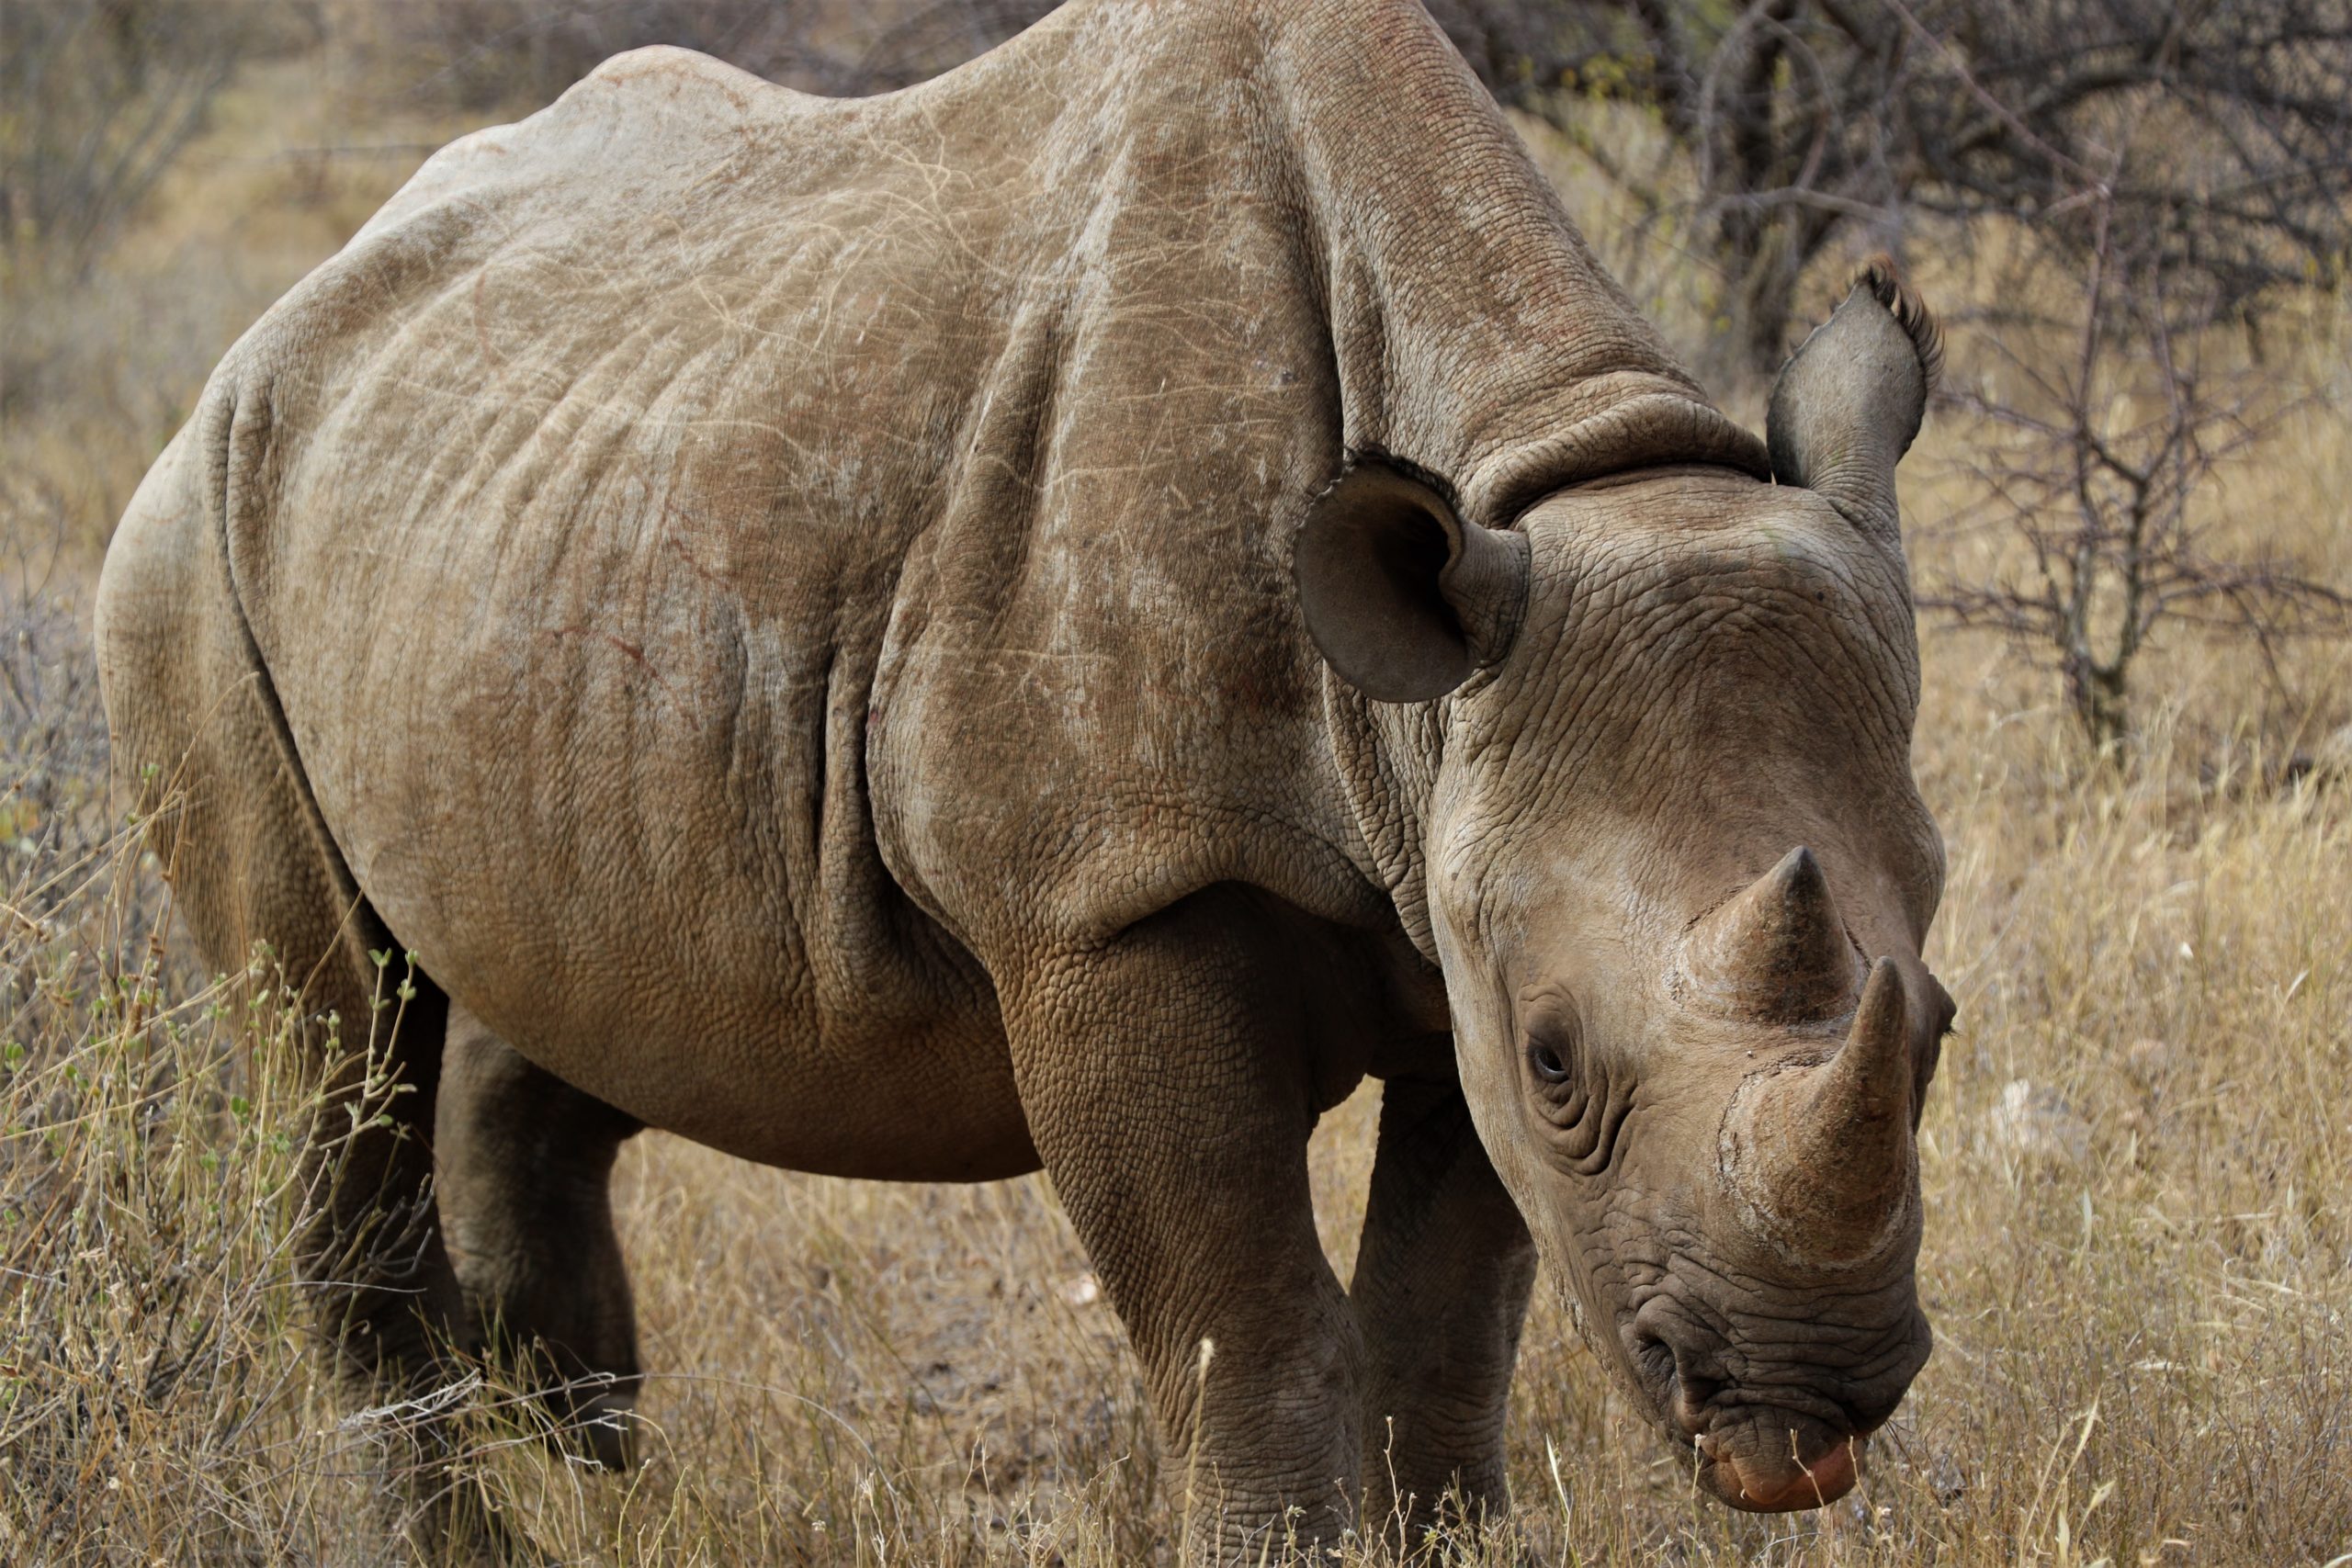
2137 1156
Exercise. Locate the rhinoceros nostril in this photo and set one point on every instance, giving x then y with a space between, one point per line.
1697 1387
1655 1362
1683 1387
1694 1391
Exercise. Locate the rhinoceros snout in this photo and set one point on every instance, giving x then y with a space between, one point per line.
1788 1433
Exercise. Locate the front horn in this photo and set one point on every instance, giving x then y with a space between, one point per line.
1824 1154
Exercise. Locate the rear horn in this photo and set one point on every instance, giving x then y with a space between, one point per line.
1779 952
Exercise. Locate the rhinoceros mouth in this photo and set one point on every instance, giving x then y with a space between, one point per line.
1812 1474
1799 1447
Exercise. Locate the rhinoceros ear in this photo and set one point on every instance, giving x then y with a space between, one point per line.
1850 399
1403 598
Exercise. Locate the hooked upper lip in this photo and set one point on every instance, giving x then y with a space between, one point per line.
1768 1461
1783 1485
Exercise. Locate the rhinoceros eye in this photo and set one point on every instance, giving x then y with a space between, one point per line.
1552 1025
1580 1102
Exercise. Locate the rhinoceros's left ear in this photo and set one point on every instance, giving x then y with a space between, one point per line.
1404 598
1848 402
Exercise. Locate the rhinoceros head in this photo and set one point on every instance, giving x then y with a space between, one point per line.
1677 874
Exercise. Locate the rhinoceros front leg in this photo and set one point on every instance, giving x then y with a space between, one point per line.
1441 1288
1168 1095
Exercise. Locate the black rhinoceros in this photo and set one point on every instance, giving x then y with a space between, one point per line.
1064 617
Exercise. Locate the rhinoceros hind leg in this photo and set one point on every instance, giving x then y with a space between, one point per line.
524 1163
1440 1286
203 752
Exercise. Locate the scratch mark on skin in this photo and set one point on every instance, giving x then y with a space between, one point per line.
627 647
482 327
672 512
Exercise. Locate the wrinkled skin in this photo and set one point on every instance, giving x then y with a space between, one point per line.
1064 618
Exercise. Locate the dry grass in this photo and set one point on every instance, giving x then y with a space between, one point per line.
2138 1253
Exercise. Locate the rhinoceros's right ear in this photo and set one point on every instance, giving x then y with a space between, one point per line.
1849 401
1402 597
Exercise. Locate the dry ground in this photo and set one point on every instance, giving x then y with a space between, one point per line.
2137 1156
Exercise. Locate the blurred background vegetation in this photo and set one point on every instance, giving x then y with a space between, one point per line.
2128 522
